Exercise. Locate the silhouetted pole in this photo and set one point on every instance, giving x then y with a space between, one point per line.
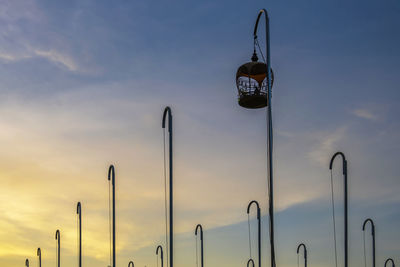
27 263
270 132
39 254
161 254
111 176
388 261
131 263
250 261
305 253
373 238
79 212
201 243
167 110
346 239
259 228
58 237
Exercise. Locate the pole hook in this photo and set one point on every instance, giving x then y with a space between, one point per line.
259 227
58 238
161 254
305 252
391 260
344 169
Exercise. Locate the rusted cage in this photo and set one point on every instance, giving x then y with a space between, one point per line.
251 82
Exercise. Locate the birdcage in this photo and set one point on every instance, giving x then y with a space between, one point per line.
251 82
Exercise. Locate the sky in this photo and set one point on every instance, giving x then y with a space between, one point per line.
83 85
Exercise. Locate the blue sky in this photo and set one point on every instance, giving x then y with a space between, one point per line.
83 84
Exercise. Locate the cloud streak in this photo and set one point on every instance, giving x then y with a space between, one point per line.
326 144
365 114
58 58
20 39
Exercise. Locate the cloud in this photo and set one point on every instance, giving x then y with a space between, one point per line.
14 11
365 114
7 57
326 144
21 37
61 59
58 58
13 57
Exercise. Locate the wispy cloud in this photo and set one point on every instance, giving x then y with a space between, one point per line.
365 114
13 11
7 57
326 144
22 18
58 58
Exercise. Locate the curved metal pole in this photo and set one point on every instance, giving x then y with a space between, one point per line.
161 255
373 238
201 242
111 176
39 253
346 239
391 261
79 212
270 133
58 237
250 261
131 263
305 253
167 111
259 227
27 263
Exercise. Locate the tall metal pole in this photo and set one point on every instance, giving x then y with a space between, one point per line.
79 212
259 228
346 239
111 176
58 237
161 256
373 238
167 110
201 243
39 253
305 253
270 133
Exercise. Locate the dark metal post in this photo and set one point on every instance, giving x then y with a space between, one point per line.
259 228
111 176
27 263
39 253
58 237
270 133
131 263
391 260
161 255
79 212
373 238
305 253
167 110
346 239
201 243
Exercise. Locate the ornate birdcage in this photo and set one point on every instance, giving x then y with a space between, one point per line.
251 82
